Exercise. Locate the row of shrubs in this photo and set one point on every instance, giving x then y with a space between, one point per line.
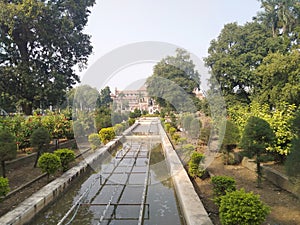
237 206
49 163
58 126
107 134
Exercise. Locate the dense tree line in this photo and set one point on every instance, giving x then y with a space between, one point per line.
260 59
41 42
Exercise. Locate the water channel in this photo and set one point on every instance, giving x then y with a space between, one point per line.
130 186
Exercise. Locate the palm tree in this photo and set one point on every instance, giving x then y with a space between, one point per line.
270 15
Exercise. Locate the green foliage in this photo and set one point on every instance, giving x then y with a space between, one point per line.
279 73
231 137
292 163
131 121
188 147
66 156
195 168
279 120
205 134
173 81
175 137
4 186
118 128
241 208
182 140
103 118
256 137
172 131
40 138
135 114
78 129
94 140
49 163
8 148
221 186
167 127
41 49
105 97
107 134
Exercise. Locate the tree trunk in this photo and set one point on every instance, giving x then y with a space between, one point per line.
37 158
3 169
27 109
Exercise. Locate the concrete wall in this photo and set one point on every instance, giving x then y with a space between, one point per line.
190 203
31 206
278 179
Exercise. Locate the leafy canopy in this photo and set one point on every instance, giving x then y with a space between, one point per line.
41 42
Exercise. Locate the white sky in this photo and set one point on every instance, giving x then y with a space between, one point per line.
190 24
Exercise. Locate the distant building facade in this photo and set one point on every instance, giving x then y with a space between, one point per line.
129 100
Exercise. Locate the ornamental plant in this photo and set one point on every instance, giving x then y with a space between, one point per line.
241 208
195 169
49 163
40 140
94 140
8 148
107 134
4 186
221 186
66 156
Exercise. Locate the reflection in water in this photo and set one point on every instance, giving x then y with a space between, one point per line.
161 205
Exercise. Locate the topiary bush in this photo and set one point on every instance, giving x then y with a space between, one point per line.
40 139
4 186
49 163
66 156
221 186
94 140
107 134
241 208
195 169
172 131
8 148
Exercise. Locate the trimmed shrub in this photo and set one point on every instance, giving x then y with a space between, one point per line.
131 121
40 139
4 186
8 148
106 134
49 163
167 127
66 156
221 186
176 137
241 208
182 140
195 169
94 140
172 131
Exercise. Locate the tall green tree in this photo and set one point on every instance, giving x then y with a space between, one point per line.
83 97
280 15
173 82
40 43
234 56
256 137
105 97
279 79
